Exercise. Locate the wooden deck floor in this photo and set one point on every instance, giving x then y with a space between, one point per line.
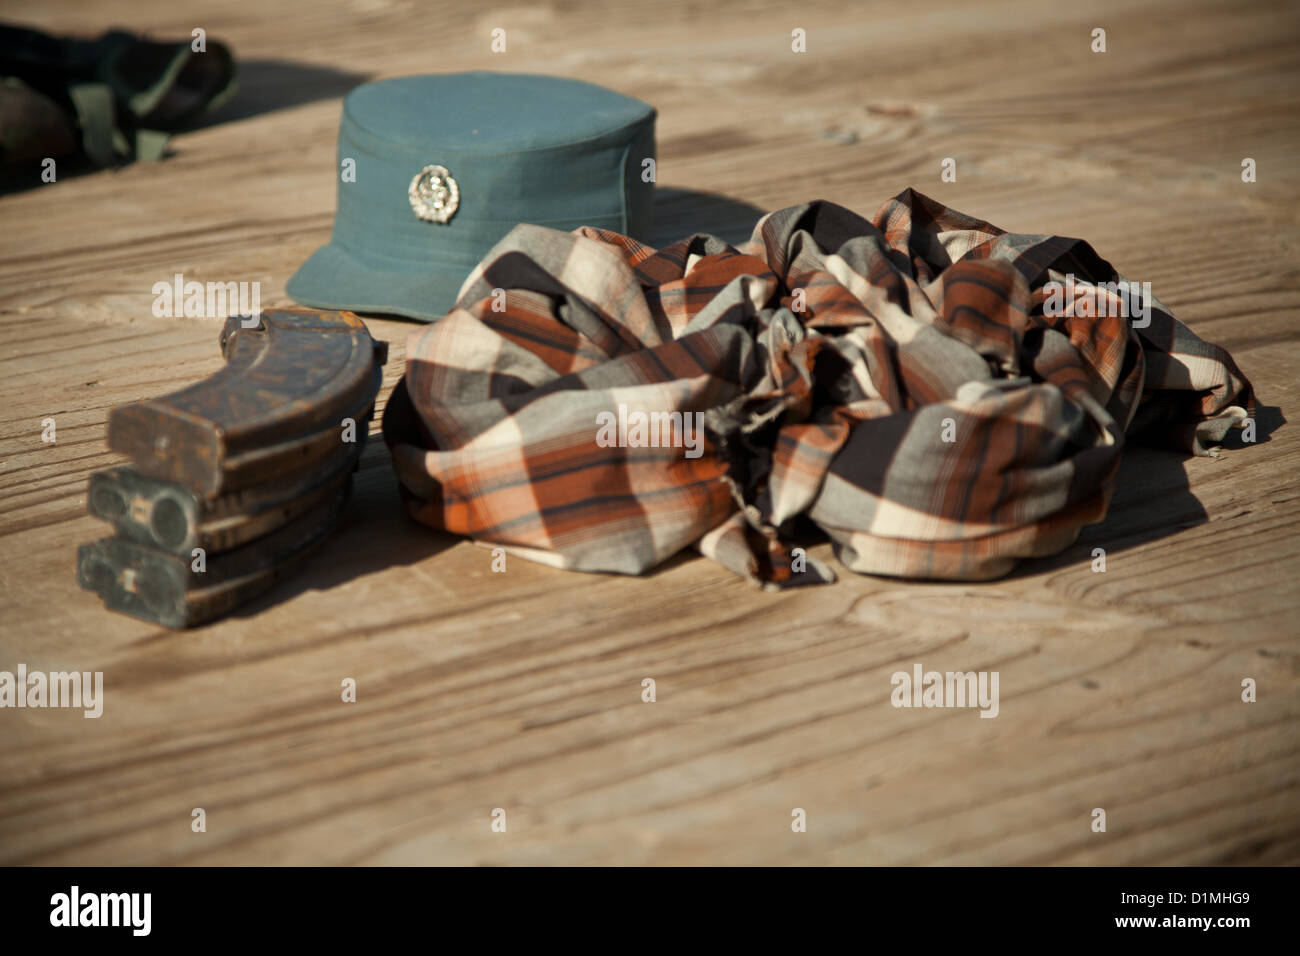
522 690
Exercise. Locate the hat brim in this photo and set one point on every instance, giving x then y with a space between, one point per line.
331 278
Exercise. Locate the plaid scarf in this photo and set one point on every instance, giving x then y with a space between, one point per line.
938 397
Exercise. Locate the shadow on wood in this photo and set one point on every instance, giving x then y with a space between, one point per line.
679 213
375 535
269 85
1152 501
1268 419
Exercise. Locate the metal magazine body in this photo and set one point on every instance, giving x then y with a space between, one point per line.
281 402
178 591
237 479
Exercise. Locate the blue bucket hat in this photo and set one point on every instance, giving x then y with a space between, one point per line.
445 165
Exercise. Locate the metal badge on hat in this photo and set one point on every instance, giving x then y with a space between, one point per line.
435 195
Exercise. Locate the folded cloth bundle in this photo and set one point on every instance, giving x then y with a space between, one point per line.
937 396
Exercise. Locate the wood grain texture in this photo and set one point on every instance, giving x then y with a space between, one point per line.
521 690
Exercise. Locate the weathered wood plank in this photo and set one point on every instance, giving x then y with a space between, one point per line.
522 690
